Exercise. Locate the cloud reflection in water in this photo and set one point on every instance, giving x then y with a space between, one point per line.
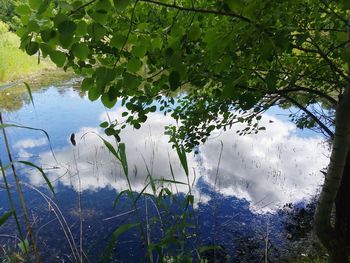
268 169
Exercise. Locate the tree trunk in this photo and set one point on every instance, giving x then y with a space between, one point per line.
341 144
342 206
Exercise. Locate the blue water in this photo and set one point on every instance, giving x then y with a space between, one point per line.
238 198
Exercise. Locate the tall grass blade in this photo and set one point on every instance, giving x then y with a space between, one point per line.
20 193
182 156
9 125
123 160
119 231
120 154
116 201
141 193
42 173
169 181
23 245
9 196
110 147
29 90
5 216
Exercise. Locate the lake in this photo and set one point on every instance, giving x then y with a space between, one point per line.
253 195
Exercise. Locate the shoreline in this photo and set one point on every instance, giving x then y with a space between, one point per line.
45 77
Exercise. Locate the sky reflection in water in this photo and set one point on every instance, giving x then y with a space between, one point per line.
268 170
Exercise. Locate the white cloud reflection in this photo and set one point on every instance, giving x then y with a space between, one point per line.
268 169
30 143
146 149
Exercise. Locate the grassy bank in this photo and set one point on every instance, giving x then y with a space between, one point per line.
14 63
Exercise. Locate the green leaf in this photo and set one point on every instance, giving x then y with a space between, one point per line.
96 31
42 173
104 124
157 43
100 16
182 155
35 4
107 101
110 147
45 49
105 5
81 28
120 5
67 27
189 200
24 246
87 84
5 216
194 32
23 10
58 57
178 30
139 51
345 55
94 92
47 35
32 48
118 41
80 50
271 80
123 160
134 65
174 80
104 76
29 92
131 81
44 6
235 5
119 231
33 26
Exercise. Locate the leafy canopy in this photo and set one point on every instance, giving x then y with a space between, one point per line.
7 13
233 58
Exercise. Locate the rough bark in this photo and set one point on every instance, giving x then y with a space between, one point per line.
341 145
342 206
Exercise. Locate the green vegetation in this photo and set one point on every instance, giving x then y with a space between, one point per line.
236 58
19 94
7 13
14 63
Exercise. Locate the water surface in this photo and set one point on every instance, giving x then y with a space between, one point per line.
239 197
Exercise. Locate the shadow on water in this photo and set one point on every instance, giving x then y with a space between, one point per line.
239 206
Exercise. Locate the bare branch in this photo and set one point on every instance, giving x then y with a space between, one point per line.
309 113
206 11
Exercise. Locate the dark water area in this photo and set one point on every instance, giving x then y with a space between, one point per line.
252 192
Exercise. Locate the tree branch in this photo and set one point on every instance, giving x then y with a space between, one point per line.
330 62
82 7
309 113
205 11
316 92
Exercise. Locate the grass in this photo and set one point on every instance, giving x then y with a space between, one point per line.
14 63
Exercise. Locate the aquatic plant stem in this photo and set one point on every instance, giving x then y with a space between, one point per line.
61 219
20 193
79 211
13 208
215 200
